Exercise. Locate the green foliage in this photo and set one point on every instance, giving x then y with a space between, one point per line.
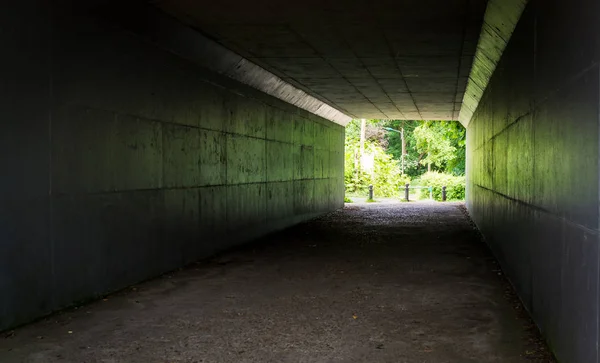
455 185
432 143
441 136
385 177
438 143
458 136
348 200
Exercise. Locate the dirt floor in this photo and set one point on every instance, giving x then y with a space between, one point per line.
378 282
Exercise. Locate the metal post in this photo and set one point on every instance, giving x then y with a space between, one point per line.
370 192
406 192
444 193
430 193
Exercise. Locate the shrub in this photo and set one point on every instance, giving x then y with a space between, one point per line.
455 185
385 177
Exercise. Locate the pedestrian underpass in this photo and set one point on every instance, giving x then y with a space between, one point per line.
140 137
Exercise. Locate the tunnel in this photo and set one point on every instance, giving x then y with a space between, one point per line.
139 137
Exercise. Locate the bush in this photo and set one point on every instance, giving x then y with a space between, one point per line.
385 177
455 185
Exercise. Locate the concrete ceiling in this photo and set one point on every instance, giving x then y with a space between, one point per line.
383 59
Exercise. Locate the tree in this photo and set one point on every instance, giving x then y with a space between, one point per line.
431 140
458 135
412 167
385 174
417 157
440 144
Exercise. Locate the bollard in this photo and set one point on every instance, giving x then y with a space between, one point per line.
444 193
370 192
406 192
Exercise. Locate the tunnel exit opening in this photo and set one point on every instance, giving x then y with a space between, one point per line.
405 160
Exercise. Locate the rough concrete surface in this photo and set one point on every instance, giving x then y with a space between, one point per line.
394 68
124 161
404 282
533 175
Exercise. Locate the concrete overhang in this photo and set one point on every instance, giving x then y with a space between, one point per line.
501 18
415 60
368 59
170 34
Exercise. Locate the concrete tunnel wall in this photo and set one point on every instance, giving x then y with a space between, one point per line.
123 161
533 170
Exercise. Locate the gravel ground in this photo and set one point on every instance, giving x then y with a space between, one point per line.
389 282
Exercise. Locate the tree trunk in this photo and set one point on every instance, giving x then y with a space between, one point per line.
428 163
403 148
363 126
